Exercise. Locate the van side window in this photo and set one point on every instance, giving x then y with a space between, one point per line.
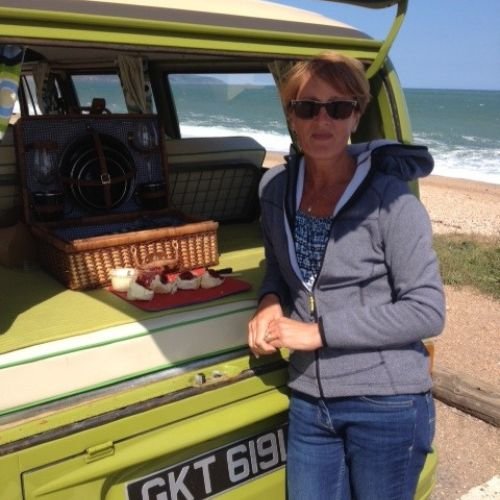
87 87
215 105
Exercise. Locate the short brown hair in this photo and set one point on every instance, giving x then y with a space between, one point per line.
345 73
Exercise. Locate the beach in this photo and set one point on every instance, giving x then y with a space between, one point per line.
461 206
470 343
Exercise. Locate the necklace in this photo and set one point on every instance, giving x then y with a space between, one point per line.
324 200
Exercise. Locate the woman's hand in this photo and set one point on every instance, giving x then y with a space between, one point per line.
269 330
294 335
269 310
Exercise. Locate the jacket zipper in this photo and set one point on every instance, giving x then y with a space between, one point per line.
314 318
290 214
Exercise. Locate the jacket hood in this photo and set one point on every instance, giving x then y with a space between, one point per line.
405 161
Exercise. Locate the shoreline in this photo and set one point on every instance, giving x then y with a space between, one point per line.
454 205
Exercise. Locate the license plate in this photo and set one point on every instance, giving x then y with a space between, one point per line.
216 471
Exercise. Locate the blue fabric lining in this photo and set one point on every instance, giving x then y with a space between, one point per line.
311 237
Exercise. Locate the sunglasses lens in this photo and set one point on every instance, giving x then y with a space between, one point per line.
340 110
305 109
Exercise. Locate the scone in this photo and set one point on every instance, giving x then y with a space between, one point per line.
163 286
211 279
188 281
138 292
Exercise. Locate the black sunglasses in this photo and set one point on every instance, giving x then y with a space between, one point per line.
338 110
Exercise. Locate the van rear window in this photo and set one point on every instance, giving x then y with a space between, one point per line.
218 105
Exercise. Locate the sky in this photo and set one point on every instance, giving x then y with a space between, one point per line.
443 44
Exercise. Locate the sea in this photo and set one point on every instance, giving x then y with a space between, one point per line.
460 127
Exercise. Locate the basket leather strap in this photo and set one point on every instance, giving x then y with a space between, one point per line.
105 177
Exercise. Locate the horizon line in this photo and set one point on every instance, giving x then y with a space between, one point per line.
406 87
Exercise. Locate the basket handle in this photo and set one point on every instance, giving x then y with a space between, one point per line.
156 260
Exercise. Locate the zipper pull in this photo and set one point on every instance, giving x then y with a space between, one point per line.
312 305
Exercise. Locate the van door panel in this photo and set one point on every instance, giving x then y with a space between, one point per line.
248 445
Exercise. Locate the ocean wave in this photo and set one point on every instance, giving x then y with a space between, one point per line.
480 163
476 158
459 141
271 141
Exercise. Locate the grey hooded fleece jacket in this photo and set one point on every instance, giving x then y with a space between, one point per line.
378 293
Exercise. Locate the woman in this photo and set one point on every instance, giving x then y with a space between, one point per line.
349 260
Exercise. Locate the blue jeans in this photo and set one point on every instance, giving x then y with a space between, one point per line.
363 448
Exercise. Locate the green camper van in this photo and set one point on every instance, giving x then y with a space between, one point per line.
135 142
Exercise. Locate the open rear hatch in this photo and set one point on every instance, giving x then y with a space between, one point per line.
225 26
402 6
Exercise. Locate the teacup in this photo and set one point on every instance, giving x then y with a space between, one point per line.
48 205
152 195
122 277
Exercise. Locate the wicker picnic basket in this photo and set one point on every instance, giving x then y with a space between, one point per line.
80 247
86 263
